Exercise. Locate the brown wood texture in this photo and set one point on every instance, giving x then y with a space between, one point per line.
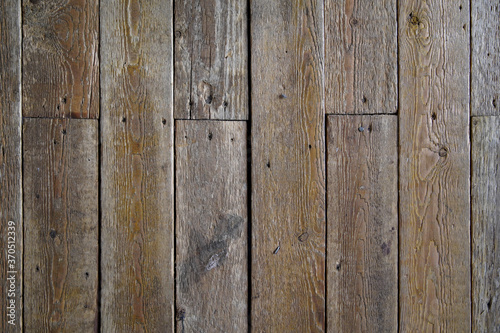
485 69
211 59
137 166
61 210
60 58
11 222
362 223
486 224
211 226
288 167
434 168
361 56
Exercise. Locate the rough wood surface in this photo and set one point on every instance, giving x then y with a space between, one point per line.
60 58
288 167
60 159
10 168
434 148
485 69
211 226
486 224
137 166
211 59
362 224
360 56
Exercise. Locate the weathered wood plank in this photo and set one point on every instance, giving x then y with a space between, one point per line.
434 166
211 226
211 59
11 223
137 166
288 167
360 56
60 58
485 70
61 209
485 223
362 224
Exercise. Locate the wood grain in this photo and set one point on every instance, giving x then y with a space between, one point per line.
137 166
485 77
60 160
434 148
211 226
11 220
485 224
288 167
60 58
362 224
361 56
211 59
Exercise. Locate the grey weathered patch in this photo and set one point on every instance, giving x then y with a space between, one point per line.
208 253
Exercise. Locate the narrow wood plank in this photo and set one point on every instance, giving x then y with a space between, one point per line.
137 166
288 167
486 223
485 77
11 222
362 224
211 59
60 58
211 226
434 148
61 209
361 56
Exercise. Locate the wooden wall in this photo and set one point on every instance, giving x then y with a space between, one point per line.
264 166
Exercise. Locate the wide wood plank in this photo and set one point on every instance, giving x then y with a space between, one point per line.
434 148
360 56
211 59
362 224
137 166
485 69
211 226
11 223
288 167
61 210
486 223
60 58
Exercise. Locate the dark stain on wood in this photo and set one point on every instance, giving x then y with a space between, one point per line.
207 254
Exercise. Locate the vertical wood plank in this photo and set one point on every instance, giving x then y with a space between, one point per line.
288 167
434 165
60 58
485 223
485 80
362 224
211 226
360 56
60 178
11 224
211 59
137 166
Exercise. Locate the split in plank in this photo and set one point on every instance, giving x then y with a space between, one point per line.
288 167
61 211
211 59
485 223
60 59
137 166
434 216
360 56
211 232
11 221
362 224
